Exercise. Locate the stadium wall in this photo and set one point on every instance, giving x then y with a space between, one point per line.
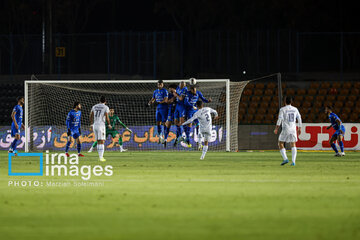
314 136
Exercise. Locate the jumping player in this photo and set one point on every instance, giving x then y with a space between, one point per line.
171 109
160 96
191 98
336 123
179 115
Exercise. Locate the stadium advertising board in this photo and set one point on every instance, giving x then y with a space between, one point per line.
143 137
316 136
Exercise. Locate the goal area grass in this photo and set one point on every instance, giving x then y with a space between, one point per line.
174 195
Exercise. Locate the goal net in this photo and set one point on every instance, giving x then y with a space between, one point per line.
48 103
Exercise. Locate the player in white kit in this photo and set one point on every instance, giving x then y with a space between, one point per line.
287 118
204 117
98 116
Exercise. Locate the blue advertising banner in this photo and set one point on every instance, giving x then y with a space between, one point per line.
142 138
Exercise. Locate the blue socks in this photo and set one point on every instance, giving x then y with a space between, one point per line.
178 131
79 147
14 144
67 146
341 144
167 131
159 129
187 132
334 147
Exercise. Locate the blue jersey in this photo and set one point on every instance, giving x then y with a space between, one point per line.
18 114
191 99
173 104
333 118
181 92
73 120
160 95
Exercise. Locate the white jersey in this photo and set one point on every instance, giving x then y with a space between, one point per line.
204 117
99 111
287 118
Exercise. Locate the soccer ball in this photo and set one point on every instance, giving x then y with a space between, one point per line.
192 81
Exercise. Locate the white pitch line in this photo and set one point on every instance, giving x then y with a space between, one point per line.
239 181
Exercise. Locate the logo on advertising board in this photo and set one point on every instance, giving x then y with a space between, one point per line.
316 136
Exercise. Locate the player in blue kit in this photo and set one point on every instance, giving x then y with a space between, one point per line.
73 124
191 98
160 96
336 123
179 115
171 111
17 117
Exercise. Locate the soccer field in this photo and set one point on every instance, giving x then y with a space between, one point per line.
164 195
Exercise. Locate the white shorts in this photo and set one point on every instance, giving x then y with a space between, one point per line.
99 132
287 137
206 136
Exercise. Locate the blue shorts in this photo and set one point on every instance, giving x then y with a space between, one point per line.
171 113
15 131
170 117
190 112
161 114
179 112
75 133
338 133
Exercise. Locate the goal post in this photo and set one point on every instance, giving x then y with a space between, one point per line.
47 103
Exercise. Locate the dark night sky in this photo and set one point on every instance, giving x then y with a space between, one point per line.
70 16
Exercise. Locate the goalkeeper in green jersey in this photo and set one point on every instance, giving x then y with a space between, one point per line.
114 134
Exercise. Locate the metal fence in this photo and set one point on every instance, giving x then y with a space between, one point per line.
176 54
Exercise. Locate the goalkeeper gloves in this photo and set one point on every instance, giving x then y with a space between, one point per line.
69 132
129 130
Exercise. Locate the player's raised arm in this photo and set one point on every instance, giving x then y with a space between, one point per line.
201 96
172 89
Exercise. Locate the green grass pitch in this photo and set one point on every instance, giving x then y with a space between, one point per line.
163 195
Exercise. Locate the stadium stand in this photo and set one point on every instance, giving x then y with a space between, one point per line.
311 100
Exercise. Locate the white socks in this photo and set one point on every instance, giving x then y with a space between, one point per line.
283 153
205 148
293 152
100 148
